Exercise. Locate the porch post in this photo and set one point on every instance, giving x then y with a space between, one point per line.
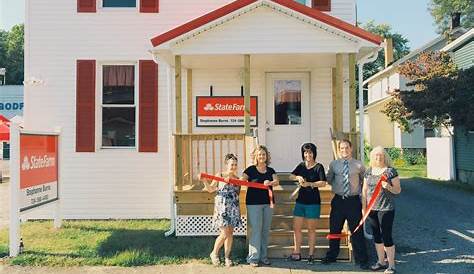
247 94
352 104
178 92
178 124
189 99
337 108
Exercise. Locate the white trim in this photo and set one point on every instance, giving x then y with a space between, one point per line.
272 5
454 44
100 105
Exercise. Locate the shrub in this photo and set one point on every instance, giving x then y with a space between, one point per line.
394 153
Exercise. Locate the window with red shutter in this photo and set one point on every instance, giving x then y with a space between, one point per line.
86 5
85 105
148 106
149 6
322 5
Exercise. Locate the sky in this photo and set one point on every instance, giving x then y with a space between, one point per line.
415 22
12 12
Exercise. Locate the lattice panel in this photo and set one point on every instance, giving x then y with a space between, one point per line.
202 225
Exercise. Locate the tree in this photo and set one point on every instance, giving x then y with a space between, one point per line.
400 49
439 94
400 46
11 54
441 11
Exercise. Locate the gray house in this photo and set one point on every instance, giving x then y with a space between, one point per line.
462 51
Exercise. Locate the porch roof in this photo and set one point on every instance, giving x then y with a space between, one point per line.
234 9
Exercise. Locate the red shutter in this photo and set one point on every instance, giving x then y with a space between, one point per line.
85 106
322 5
149 6
86 5
148 107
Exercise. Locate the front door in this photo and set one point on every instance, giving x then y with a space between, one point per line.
288 118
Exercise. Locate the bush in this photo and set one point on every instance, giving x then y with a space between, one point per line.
413 158
394 153
399 162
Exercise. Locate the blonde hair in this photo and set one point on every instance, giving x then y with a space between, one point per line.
256 150
386 158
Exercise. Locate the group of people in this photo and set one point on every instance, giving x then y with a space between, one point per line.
352 184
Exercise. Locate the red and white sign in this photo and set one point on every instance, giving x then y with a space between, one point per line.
38 170
224 111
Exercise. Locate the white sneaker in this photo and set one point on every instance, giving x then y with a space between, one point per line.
214 259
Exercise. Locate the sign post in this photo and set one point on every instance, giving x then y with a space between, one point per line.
34 177
14 233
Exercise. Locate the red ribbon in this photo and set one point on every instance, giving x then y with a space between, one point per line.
375 195
239 183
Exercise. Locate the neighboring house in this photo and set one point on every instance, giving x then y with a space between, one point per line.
378 128
11 105
123 80
11 101
462 51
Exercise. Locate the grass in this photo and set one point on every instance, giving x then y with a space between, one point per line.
411 171
110 243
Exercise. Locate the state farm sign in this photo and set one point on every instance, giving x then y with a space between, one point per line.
38 170
224 111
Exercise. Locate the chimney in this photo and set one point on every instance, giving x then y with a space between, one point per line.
388 48
455 20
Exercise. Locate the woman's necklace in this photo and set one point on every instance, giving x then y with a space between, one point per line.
378 170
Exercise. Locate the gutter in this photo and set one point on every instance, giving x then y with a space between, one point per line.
369 58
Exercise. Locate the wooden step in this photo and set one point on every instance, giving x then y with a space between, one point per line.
285 237
286 222
281 251
286 208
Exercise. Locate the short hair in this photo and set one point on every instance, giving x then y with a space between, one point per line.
386 158
230 156
256 150
309 147
344 141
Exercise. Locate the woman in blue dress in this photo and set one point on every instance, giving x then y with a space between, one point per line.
226 210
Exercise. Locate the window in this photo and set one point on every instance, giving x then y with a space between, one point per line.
118 106
303 2
287 98
119 3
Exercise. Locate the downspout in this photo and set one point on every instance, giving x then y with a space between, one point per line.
366 59
170 150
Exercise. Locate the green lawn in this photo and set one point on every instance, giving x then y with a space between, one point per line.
114 243
410 171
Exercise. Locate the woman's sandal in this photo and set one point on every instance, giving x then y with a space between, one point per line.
310 259
378 266
214 259
389 270
295 257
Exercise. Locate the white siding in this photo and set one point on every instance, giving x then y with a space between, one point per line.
246 34
122 183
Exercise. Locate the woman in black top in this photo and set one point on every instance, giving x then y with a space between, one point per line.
259 212
310 175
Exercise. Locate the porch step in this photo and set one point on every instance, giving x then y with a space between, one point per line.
286 208
281 221
283 251
285 237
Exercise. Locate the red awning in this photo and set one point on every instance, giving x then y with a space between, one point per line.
4 132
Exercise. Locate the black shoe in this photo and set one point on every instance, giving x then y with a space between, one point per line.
364 266
328 260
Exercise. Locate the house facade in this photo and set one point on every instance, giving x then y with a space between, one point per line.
148 93
462 52
379 130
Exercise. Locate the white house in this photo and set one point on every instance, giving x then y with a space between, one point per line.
105 71
378 128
